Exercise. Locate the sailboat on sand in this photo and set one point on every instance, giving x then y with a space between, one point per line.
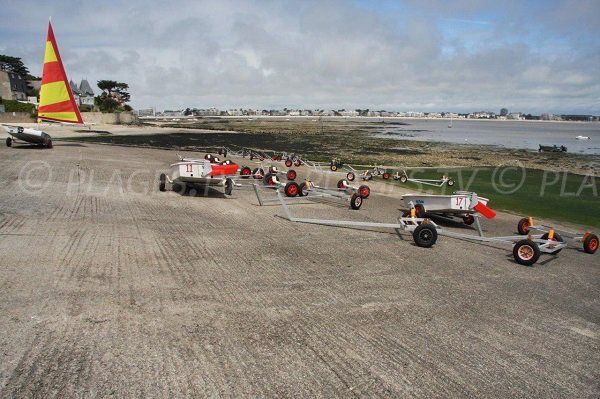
57 103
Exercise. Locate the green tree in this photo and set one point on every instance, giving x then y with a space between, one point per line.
113 97
15 65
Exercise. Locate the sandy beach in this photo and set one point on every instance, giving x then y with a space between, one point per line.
111 288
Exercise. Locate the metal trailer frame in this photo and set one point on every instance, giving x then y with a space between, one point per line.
526 251
403 178
589 240
309 191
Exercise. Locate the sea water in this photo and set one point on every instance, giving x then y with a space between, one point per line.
508 134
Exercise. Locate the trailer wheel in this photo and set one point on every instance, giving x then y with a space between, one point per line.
220 152
333 167
245 172
355 201
557 237
590 244
386 175
350 176
163 182
403 179
258 173
367 176
450 182
178 188
251 156
303 189
228 186
297 162
291 189
288 163
526 252
341 183
224 153
419 211
364 191
523 226
291 174
269 180
469 220
9 142
425 235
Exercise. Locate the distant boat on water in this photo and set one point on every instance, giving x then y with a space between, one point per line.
583 138
552 148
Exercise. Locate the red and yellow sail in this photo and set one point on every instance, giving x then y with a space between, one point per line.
56 98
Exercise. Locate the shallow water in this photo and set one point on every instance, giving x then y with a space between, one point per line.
508 134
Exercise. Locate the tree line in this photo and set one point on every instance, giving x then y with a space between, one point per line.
113 98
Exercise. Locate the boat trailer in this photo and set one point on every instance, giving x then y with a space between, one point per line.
526 250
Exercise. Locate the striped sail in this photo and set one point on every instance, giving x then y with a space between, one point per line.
56 99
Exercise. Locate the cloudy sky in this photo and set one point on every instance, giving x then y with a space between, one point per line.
419 55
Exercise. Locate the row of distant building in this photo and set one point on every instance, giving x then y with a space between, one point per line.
503 115
14 87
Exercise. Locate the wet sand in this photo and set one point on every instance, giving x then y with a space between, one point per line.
111 288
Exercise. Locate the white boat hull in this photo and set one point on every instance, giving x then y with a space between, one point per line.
28 135
453 204
195 172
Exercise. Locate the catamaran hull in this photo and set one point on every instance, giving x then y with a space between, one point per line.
201 172
29 135
455 204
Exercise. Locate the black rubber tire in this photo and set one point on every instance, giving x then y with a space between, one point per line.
245 172
350 176
9 142
220 152
178 188
269 180
425 235
355 201
557 237
367 176
49 144
386 175
420 211
224 153
291 174
303 189
526 252
468 220
450 183
364 191
162 182
341 183
523 226
333 167
288 163
228 186
258 173
297 162
403 179
291 189
208 157
590 244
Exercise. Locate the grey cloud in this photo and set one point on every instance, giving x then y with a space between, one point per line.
405 55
